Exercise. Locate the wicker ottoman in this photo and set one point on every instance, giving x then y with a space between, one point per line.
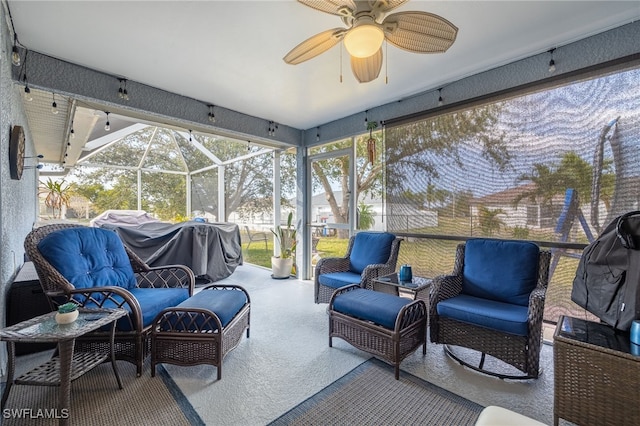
202 329
382 324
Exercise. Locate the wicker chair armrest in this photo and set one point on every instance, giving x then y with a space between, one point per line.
411 313
186 320
536 302
445 287
169 276
332 264
340 291
374 271
215 287
125 300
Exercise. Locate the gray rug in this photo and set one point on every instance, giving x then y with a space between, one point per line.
97 401
369 395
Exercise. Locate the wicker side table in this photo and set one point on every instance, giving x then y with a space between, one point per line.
596 377
61 370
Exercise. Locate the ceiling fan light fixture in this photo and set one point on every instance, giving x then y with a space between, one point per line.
365 39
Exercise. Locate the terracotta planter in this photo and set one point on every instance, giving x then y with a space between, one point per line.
281 268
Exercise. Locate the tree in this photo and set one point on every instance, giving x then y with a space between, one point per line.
366 216
57 195
417 149
571 172
489 220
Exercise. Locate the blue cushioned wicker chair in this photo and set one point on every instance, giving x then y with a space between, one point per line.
493 303
93 267
369 255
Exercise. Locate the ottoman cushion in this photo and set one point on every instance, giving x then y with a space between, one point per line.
224 303
368 305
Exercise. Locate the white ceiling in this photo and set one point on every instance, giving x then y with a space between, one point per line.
229 53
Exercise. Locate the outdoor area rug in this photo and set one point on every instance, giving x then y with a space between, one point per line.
97 401
370 395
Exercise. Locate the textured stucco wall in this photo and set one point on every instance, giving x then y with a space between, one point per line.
17 197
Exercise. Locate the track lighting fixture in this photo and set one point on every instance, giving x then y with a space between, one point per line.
212 115
122 91
552 63
15 54
440 100
107 125
54 105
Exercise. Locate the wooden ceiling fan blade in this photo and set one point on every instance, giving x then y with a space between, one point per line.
334 7
419 32
367 69
313 46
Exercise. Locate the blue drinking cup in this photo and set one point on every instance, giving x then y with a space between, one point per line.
405 274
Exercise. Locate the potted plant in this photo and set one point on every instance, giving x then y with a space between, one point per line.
67 313
281 265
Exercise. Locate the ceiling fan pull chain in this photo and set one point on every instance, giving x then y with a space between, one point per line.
386 62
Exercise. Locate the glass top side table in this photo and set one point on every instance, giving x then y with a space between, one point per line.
60 370
391 283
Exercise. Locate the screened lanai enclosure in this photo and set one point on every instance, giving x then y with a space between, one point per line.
552 164
178 174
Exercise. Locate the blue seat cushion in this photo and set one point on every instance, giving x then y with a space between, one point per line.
500 270
151 300
224 303
369 305
500 316
370 248
88 257
339 279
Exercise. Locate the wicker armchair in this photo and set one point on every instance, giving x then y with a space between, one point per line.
369 255
495 310
132 335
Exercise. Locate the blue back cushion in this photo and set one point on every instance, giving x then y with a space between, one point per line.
88 257
505 271
370 248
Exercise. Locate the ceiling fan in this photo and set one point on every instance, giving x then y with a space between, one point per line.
368 27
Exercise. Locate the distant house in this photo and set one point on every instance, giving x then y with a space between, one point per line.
526 213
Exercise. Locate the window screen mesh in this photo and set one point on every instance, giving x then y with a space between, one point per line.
551 166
